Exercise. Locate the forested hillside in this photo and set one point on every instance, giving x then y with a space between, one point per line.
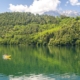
29 29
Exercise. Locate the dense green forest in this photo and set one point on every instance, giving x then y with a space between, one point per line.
29 29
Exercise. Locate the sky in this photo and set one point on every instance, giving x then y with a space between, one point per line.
40 6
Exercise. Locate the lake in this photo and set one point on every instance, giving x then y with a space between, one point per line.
40 63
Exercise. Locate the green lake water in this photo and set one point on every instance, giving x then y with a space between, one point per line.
40 63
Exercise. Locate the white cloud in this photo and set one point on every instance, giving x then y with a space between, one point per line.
18 8
66 3
37 7
74 2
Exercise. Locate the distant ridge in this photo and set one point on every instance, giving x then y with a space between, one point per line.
66 13
52 13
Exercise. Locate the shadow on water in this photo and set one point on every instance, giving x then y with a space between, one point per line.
26 60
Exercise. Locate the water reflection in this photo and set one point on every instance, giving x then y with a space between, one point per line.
42 77
40 63
3 77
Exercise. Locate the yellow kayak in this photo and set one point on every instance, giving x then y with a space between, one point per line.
6 56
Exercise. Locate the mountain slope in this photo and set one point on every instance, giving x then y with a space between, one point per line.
28 29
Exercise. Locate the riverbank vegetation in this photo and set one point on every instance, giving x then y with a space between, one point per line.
29 29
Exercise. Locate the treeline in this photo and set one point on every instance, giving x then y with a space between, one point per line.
29 29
